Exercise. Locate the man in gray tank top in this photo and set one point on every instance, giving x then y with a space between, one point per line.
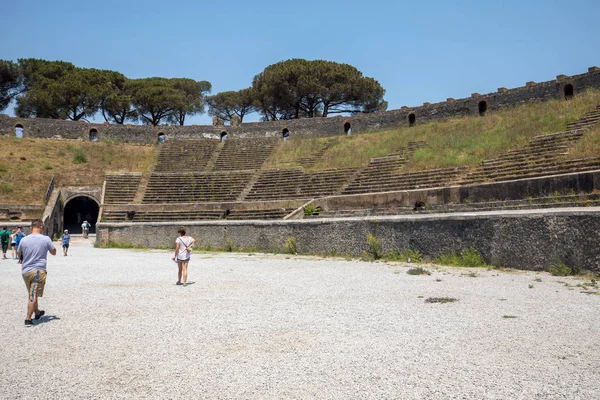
33 250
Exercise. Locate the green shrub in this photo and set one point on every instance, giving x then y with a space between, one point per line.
228 244
467 258
561 269
375 251
418 271
310 209
471 258
290 246
447 258
3 168
5 188
79 156
406 255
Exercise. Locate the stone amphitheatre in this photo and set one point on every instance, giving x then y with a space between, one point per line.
520 209
295 293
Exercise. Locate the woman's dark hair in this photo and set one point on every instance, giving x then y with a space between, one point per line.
181 230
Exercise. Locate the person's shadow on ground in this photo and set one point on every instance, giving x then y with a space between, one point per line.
47 318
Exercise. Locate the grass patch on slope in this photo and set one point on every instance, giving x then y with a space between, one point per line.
290 152
29 164
464 141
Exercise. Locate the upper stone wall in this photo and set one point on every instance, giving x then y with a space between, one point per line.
559 88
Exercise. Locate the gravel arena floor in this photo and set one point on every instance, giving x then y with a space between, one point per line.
256 326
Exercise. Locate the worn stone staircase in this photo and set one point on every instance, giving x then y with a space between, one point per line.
121 187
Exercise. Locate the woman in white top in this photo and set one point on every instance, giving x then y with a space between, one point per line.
182 254
13 243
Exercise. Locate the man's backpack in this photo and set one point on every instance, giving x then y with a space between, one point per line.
4 236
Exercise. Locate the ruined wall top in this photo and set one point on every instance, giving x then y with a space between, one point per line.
561 87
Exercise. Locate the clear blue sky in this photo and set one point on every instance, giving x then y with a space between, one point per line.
418 51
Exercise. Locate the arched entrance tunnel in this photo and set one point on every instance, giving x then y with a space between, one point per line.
77 210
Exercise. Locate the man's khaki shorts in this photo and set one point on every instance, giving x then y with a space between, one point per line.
35 281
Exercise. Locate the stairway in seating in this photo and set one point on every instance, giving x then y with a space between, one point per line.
295 183
121 187
195 187
191 155
310 160
408 150
244 154
379 170
541 156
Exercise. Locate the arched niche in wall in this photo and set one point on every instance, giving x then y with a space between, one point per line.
285 134
569 91
161 137
223 136
93 134
482 107
19 130
412 119
348 128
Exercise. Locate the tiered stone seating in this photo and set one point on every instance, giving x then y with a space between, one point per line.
380 169
121 188
384 174
294 183
276 213
164 215
124 215
191 155
543 155
407 181
195 187
589 119
244 154
579 200
310 160
542 167
408 150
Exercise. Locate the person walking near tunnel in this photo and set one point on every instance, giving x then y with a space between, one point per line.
13 244
183 246
5 240
34 251
18 237
85 229
66 240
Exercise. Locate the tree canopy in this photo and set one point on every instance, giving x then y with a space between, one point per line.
300 88
11 82
57 89
226 105
157 99
295 88
116 106
192 98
